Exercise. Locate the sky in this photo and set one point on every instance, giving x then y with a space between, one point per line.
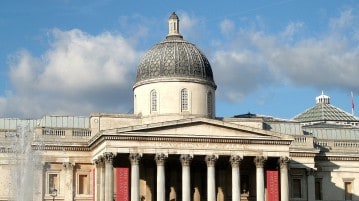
66 57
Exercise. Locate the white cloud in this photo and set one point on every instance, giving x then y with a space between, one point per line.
291 29
227 26
79 74
256 60
191 27
344 20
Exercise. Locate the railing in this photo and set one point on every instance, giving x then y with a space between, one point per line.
55 132
325 144
301 140
60 135
346 144
81 133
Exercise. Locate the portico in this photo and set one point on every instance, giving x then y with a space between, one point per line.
179 166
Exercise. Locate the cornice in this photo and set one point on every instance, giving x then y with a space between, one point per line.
195 139
61 148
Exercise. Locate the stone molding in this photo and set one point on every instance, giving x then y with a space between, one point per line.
306 155
335 158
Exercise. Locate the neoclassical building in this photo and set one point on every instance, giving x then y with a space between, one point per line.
174 148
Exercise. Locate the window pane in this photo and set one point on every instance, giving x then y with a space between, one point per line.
318 189
53 182
184 100
297 188
348 190
209 103
83 184
153 101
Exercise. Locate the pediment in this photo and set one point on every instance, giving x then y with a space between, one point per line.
202 127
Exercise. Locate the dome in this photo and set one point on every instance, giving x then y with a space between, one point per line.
174 59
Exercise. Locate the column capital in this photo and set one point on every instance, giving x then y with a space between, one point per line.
310 172
186 159
160 158
108 157
135 158
99 162
259 161
68 166
283 161
235 160
211 160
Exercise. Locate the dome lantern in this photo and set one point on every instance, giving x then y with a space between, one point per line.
173 26
322 99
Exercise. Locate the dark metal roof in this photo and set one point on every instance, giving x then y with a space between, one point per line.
174 57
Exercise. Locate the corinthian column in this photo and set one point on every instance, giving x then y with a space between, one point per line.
101 163
69 181
211 177
109 189
259 161
161 191
135 176
284 191
186 176
97 180
236 188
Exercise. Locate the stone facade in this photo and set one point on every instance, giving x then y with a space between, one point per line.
173 154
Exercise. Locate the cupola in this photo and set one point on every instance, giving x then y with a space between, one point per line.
174 77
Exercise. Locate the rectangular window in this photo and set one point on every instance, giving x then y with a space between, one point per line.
348 190
153 101
184 100
318 189
83 185
53 182
296 188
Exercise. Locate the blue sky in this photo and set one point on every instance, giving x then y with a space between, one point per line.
268 57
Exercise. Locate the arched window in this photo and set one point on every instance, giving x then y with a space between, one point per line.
184 100
209 103
153 101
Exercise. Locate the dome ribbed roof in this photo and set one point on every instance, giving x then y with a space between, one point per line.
174 58
324 112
